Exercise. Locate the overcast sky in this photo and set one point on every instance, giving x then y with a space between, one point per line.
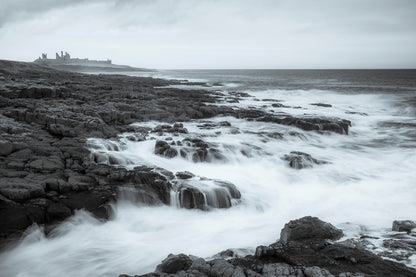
213 33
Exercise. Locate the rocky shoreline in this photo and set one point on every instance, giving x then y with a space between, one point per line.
47 116
308 247
49 168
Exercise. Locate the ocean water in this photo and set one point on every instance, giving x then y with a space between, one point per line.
368 180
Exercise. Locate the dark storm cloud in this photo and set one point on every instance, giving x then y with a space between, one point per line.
17 10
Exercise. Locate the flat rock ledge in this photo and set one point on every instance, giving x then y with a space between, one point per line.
307 248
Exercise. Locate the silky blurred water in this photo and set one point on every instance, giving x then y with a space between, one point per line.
367 182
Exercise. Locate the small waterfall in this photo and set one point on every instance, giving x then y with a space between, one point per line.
174 199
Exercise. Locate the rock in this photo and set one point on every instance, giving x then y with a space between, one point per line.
299 160
21 155
307 228
200 151
184 174
231 188
89 201
6 147
166 128
204 193
47 164
80 182
61 130
322 105
57 211
20 188
281 269
335 125
225 124
174 263
294 258
191 198
232 253
358 243
403 225
315 271
13 217
162 148
399 244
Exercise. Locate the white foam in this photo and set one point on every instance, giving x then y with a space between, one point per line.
367 182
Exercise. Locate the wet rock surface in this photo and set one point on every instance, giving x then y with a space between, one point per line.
313 255
404 225
308 228
203 193
340 126
46 116
299 160
191 148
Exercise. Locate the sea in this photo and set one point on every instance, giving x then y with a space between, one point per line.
368 179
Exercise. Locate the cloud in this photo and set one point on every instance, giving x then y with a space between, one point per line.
18 10
215 34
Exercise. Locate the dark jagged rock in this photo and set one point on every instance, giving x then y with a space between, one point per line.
166 128
200 151
403 225
191 198
162 148
339 126
174 263
213 125
313 257
350 112
299 160
184 175
307 228
279 105
217 195
322 105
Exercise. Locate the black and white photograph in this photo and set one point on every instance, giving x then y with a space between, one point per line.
208 138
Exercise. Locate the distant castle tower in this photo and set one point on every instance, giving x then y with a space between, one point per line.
65 58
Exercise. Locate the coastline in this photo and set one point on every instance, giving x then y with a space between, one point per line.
48 115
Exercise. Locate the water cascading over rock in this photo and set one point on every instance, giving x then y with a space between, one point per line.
194 149
203 193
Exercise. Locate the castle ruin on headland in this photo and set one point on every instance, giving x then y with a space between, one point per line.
66 59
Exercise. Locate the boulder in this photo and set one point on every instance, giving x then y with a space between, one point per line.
6 147
403 225
206 193
191 198
162 148
184 174
299 160
174 263
309 228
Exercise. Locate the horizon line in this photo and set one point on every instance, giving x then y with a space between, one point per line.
309 68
